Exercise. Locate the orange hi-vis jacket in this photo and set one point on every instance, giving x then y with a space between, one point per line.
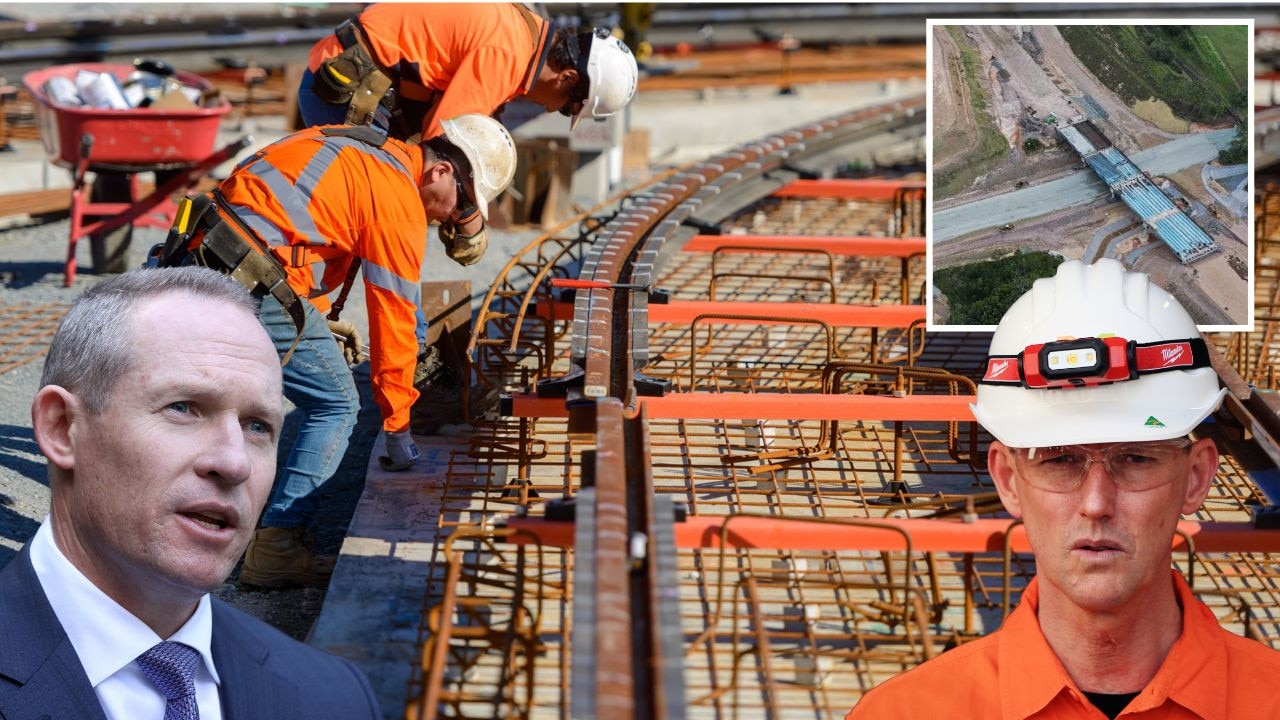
465 57
322 201
1013 674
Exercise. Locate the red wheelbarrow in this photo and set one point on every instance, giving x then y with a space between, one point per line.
117 145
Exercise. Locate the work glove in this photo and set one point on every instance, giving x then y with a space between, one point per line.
348 338
402 452
463 249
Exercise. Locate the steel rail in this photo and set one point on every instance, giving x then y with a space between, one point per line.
759 313
854 246
612 622
927 535
869 189
628 245
770 406
749 584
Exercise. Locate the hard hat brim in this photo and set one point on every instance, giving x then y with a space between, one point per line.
1085 422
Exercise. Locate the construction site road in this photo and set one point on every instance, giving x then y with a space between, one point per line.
1077 189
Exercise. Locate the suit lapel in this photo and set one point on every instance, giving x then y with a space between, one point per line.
43 673
249 689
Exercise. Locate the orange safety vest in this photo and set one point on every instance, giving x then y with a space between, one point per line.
321 201
464 58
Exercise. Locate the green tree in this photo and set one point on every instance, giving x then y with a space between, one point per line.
1238 151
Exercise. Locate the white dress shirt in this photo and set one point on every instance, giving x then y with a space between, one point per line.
108 638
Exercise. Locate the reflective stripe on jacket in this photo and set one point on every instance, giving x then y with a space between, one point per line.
321 201
474 56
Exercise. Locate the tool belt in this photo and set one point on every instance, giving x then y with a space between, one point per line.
354 78
206 232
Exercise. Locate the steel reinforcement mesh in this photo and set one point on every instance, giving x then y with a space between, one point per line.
768 632
1255 354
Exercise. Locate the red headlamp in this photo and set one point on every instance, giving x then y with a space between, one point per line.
1086 362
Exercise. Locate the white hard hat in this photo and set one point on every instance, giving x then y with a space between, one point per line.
1095 354
490 153
611 73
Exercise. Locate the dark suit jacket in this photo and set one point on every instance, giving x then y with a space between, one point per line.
265 674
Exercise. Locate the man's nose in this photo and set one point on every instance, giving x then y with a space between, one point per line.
1098 489
225 457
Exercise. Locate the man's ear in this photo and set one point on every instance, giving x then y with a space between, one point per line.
1000 465
442 169
568 78
1201 469
53 411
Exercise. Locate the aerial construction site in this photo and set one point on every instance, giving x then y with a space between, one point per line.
703 459
1040 146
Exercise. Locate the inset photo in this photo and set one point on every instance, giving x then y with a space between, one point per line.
1054 140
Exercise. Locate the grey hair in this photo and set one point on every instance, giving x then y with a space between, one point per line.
93 347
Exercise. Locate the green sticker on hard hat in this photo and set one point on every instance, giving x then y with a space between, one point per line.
1152 421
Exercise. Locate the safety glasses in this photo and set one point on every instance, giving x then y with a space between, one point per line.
577 97
465 206
1133 467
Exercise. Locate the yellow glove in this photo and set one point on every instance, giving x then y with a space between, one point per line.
348 338
464 249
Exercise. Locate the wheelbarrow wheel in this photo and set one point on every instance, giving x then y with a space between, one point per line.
110 250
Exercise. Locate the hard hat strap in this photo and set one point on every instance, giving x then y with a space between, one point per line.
1088 362
445 149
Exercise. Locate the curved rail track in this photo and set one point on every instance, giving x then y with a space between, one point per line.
730 475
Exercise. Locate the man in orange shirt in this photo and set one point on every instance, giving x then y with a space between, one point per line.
288 223
401 67
1096 380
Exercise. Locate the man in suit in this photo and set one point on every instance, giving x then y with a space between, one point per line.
159 412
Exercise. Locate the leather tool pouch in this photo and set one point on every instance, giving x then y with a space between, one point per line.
332 84
190 217
204 237
352 78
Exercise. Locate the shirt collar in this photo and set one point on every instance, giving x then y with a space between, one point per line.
1032 676
541 52
1192 674
105 636
1195 670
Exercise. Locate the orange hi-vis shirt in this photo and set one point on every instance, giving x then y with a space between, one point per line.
468 57
322 201
1012 674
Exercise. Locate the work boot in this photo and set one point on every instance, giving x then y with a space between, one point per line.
279 558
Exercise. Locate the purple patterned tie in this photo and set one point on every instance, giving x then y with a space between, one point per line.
171 667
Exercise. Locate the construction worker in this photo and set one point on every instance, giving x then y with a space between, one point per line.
288 223
401 67
1094 387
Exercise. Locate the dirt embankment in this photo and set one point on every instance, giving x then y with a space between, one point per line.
1032 74
954 123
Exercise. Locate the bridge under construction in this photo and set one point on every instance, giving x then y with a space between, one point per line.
1131 185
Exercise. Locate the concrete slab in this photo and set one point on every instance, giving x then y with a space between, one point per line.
373 607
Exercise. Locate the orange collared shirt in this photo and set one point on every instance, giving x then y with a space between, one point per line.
1012 674
473 57
322 201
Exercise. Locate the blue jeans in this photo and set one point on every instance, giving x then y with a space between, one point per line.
319 384
315 111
